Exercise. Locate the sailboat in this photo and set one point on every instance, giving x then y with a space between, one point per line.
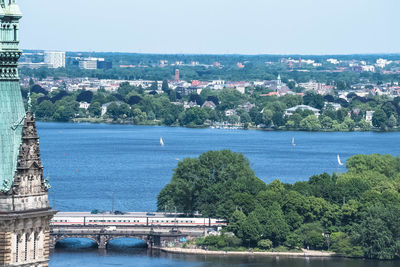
293 143
161 141
339 161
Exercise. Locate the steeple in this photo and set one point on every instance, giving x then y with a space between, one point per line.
12 112
24 206
279 83
13 9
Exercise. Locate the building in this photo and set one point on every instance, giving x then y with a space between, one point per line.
230 112
24 206
88 63
369 115
333 106
209 104
290 111
84 105
54 59
104 65
177 78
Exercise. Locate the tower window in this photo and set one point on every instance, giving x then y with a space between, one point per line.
35 236
26 247
17 248
15 33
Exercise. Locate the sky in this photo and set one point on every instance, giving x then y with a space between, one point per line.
212 26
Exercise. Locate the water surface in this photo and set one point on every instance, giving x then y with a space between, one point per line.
88 164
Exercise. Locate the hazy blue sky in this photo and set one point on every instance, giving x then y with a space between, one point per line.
213 26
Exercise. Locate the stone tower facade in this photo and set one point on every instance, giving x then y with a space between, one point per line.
24 207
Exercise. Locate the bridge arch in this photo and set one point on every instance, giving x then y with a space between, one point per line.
126 242
68 241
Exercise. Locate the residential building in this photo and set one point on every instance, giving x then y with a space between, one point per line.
84 105
290 111
247 106
369 115
230 112
334 106
209 104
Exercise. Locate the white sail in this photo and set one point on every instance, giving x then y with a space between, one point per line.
339 161
293 143
161 141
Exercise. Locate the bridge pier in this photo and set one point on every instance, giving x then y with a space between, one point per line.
102 242
52 242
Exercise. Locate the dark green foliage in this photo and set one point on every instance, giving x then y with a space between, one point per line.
355 214
85 96
210 182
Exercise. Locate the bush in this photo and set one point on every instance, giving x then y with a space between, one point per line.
264 244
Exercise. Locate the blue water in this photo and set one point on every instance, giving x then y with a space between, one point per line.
89 163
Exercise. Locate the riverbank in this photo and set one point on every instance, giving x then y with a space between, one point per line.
305 253
158 123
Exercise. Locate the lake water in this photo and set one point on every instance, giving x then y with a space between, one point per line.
89 163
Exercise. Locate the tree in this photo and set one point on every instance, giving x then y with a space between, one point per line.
310 123
165 87
209 183
236 223
326 122
314 100
293 240
392 121
379 119
378 233
95 109
264 244
311 234
85 96
45 110
274 225
194 117
113 110
134 99
251 230
138 116
342 245
267 117
64 113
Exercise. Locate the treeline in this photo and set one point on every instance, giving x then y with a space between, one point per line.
355 214
251 72
253 109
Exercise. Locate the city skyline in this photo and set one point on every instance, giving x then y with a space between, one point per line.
219 27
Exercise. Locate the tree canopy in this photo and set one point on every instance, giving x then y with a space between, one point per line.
355 214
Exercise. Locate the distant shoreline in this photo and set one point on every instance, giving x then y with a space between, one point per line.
305 253
109 122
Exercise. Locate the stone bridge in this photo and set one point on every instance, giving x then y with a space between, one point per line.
158 237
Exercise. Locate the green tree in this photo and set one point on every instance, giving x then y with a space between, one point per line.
165 87
274 226
45 110
95 109
264 244
209 183
310 123
251 230
379 119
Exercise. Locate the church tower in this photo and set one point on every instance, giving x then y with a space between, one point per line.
24 207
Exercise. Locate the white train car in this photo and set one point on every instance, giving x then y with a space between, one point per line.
131 219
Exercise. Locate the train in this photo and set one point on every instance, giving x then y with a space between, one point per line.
131 219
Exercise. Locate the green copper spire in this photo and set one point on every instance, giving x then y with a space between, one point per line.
12 112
